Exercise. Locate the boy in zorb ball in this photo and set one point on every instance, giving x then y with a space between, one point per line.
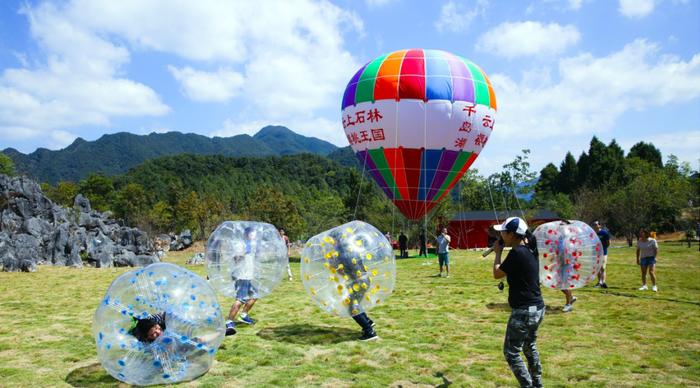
158 325
245 260
348 270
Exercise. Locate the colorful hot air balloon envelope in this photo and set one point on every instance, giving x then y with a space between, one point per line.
417 119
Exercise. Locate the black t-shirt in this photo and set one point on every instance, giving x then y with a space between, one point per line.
523 273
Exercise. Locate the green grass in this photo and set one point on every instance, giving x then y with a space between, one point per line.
434 331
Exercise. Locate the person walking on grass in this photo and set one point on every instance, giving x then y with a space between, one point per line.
521 270
288 245
604 237
246 293
647 251
422 244
403 245
443 243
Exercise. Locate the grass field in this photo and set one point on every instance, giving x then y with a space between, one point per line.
434 331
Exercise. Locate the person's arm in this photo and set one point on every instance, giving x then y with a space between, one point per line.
449 239
656 249
637 252
497 271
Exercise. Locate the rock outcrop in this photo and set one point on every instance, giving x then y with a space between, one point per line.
34 230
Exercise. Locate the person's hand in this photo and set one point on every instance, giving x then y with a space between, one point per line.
638 261
497 246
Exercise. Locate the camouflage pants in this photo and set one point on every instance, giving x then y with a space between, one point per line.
521 336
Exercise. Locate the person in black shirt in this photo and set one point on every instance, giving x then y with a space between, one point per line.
403 245
521 269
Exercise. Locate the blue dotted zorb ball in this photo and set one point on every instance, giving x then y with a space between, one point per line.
349 269
243 253
194 326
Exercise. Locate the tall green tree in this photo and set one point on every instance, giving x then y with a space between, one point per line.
647 152
131 203
474 191
161 217
569 175
270 205
547 184
99 189
7 167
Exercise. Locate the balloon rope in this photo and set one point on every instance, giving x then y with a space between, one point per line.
515 193
493 204
396 155
362 179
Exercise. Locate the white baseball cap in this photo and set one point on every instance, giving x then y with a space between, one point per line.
513 224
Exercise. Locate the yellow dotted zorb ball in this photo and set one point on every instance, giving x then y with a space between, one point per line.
245 256
349 269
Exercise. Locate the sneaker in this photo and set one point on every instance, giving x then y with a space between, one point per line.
247 320
604 285
567 308
370 336
230 328
653 288
598 285
643 287
573 299
447 276
290 278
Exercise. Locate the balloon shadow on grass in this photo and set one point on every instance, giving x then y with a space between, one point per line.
309 334
93 375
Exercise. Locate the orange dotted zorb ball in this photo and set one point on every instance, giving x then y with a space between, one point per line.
570 254
349 269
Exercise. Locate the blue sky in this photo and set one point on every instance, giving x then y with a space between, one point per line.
563 70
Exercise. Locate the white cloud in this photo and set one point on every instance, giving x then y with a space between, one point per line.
636 9
455 18
286 58
78 84
378 3
591 93
575 4
61 139
519 39
218 86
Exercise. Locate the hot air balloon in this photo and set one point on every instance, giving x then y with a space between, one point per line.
417 119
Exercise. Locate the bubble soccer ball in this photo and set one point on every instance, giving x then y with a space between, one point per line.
194 326
570 254
349 269
243 252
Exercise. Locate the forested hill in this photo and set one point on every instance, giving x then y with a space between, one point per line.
116 153
306 193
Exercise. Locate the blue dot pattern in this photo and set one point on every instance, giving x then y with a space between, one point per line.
194 326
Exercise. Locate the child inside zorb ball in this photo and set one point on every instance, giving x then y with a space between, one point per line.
245 260
348 270
158 325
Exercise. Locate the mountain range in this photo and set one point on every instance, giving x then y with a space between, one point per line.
116 153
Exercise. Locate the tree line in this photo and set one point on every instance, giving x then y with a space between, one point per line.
307 193
625 192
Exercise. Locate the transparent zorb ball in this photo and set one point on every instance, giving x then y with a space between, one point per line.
243 253
571 254
349 269
194 326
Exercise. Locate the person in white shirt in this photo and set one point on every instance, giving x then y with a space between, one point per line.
443 243
647 250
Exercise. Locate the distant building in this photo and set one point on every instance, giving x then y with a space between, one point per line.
470 229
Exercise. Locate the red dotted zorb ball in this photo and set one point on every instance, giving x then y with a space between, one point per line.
570 254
